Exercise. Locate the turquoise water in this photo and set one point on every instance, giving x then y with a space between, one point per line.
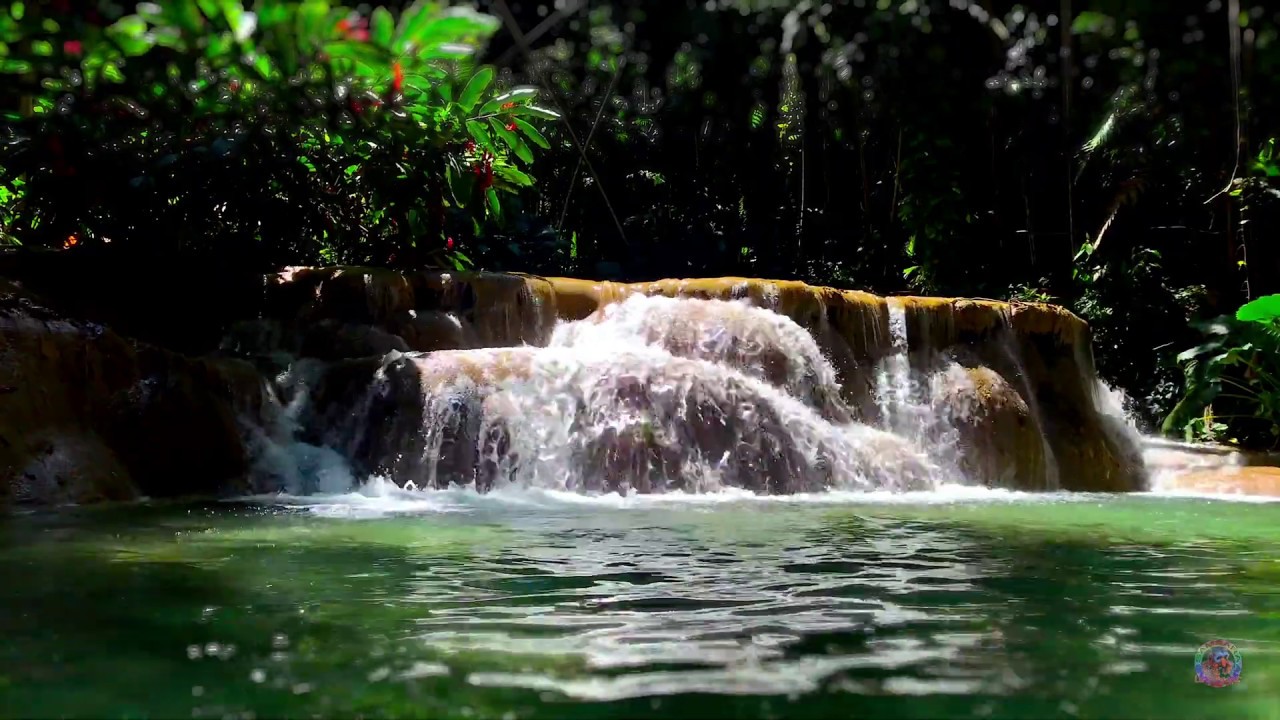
544 606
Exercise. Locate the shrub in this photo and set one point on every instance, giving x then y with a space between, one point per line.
284 132
1233 379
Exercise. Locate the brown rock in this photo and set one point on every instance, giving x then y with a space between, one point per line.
428 330
999 437
334 340
94 417
1040 352
1241 480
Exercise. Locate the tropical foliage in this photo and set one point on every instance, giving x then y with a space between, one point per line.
1233 379
278 132
1096 155
1117 160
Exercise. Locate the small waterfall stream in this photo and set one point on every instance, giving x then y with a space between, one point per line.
650 394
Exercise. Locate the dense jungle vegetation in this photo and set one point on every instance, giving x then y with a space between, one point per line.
1116 157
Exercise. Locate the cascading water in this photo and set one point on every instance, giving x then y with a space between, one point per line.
657 394
910 404
281 460
654 394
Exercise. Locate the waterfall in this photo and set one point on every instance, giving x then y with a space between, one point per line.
912 404
655 394
772 388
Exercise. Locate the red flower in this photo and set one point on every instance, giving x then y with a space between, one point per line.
484 171
73 48
470 146
508 106
397 77
355 31
511 126
448 243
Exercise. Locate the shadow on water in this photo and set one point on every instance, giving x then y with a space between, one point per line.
182 611
207 613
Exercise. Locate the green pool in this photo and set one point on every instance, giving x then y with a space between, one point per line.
534 605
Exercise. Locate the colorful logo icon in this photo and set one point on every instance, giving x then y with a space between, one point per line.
1218 664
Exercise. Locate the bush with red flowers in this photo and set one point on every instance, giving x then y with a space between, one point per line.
280 131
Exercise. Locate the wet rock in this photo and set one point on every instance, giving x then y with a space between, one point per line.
999 443
92 416
1240 480
428 330
594 422
336 340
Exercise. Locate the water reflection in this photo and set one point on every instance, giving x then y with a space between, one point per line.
589 612
877 604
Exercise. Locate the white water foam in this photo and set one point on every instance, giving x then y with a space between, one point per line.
706 399
380 497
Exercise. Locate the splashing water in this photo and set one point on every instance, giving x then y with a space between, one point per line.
760 343
650 395
913 405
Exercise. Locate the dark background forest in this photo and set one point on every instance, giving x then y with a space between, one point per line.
1115 157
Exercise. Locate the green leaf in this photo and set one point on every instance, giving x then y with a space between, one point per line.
522 151
513 175
532 133
130 33
518 96
381 27
477 85
1090 22
424 24
535 111
507 136
480 134
368 59
1100 137
495 205
311 31
459 24
512 140
183 15
436 52
461 182
240 25
1265 310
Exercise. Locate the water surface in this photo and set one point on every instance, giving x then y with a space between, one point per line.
540 605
